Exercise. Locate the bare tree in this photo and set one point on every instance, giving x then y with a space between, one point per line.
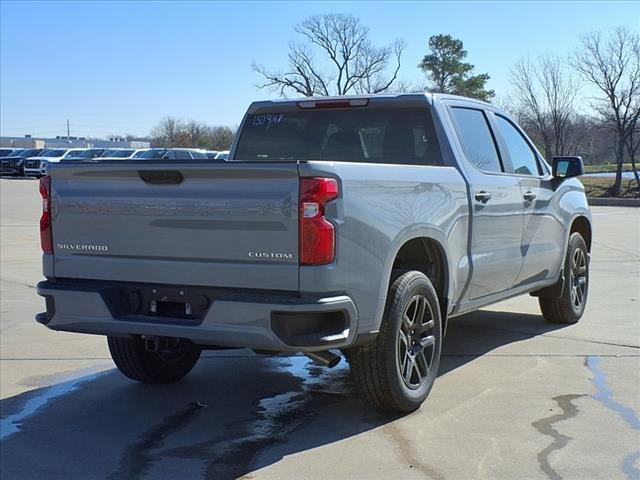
168 132
545 95
174 132
632 143
195 134
350 63
612 65
220 138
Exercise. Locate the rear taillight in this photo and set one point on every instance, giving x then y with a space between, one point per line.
46 239
317 234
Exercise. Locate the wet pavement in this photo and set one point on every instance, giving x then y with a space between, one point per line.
515 398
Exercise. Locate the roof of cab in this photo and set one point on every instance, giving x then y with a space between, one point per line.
430 98
378 98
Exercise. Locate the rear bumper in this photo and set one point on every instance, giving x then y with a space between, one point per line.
233 318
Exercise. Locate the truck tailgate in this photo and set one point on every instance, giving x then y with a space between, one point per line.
224 225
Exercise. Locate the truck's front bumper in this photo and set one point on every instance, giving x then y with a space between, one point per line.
11 167
232 318
35 172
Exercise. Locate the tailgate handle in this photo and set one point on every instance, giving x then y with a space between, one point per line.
161 177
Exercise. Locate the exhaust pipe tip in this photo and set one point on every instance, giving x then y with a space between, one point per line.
324 358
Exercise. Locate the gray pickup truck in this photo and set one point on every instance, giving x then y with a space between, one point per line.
352 225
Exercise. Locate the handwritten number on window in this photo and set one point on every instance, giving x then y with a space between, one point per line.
268 119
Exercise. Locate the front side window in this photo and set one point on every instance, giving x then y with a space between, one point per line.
522 156
370 134
476 139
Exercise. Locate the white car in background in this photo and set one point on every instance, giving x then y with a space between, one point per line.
217 154
37 166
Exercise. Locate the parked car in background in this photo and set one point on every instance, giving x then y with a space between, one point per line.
14 163
87 154
173 154
37 166
224 155
211 154
117 153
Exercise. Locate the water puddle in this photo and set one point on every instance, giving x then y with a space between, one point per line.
11 424
604 395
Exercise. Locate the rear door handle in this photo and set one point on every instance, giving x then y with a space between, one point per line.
483 196
529 196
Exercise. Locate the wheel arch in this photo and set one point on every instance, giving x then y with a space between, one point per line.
425 253
582 225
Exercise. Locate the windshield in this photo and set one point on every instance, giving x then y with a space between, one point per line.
5 152
29 153
154 153
371 134
53 153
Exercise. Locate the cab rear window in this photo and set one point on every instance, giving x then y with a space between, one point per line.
372 135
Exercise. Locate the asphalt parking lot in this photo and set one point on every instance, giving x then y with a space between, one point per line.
516 398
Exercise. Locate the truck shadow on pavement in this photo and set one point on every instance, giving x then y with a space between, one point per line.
234 414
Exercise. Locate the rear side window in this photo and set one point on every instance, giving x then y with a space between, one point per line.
522 157
369 134
476 139
198 155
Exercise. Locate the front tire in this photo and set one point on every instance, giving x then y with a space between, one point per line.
164 366
397 371
570 305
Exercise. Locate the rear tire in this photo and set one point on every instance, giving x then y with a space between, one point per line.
570 305
397 371
137 363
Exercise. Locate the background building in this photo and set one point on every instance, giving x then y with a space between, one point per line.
71 142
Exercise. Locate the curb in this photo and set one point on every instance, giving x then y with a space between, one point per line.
613 202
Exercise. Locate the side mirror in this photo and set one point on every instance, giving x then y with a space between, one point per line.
565 167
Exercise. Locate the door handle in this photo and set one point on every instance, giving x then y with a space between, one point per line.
483 196
529 196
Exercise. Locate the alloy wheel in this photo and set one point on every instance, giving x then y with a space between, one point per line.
416 342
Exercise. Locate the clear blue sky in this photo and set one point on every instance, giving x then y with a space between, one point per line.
119 67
